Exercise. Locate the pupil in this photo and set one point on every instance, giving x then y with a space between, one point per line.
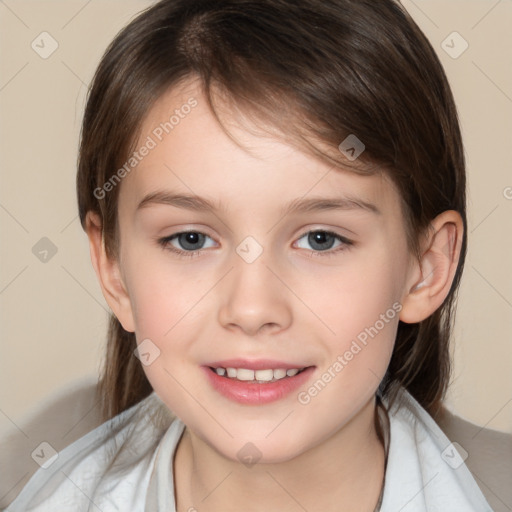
189 240
322 239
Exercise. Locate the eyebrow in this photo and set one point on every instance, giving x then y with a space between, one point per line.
300 205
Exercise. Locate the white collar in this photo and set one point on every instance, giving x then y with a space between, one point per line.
424 471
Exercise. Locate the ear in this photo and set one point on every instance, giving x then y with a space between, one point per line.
431 277
108 273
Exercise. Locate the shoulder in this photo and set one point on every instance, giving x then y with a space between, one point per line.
487 454
425 471
107 468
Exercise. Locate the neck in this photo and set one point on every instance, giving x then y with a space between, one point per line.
343 472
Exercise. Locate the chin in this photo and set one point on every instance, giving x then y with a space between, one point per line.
259 449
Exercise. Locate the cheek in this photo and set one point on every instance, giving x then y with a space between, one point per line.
362 313
161 294
168 309
165 304
357 294
359 307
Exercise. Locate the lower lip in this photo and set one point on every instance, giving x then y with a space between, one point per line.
254 393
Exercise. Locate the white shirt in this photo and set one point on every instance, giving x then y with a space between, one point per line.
126 464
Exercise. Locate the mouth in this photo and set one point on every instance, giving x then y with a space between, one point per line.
263 376
256 382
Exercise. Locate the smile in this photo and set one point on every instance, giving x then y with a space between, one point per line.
261 376
265 382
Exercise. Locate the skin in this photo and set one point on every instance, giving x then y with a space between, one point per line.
293 303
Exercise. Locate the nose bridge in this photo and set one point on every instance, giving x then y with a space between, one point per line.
253 296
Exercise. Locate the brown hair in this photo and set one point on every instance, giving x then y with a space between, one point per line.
318 70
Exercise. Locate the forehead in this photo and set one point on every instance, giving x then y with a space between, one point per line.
186 150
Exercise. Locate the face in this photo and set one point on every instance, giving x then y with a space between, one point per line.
286 263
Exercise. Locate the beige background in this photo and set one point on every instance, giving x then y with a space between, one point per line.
53 316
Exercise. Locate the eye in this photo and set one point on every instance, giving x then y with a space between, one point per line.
190 243
323 242
185 243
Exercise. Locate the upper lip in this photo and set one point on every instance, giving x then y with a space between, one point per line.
256 364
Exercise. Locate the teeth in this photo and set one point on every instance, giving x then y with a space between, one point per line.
264 375
269 375
243 374
279 374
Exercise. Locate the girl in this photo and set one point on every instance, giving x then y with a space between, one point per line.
274 195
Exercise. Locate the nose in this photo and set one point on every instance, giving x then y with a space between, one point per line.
254 299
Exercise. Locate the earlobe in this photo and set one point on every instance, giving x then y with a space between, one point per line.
108 273
433 275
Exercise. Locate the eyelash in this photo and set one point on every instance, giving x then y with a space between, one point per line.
345 244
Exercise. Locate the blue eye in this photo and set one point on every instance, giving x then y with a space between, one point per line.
190 243
188 240
323 242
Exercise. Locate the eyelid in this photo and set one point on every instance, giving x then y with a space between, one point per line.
333 231
345 243
166 240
